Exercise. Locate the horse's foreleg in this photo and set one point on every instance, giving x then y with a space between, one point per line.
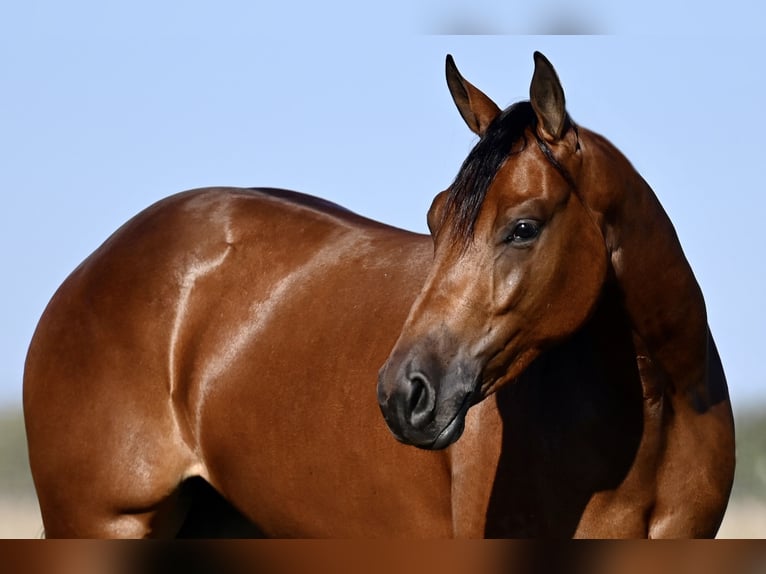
695 475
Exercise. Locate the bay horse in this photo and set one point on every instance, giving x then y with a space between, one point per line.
546 348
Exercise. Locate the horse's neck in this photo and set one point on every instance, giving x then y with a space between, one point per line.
659 291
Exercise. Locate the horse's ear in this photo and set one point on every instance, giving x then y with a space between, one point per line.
477 109
547 98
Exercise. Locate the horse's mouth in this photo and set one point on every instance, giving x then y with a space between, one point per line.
455 427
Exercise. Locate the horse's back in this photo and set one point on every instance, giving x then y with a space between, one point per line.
204 298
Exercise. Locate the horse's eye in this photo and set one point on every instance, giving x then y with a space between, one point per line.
525 231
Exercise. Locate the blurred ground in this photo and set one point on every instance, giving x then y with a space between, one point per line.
20 518
745 517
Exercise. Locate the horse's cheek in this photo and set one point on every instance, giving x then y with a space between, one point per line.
587 275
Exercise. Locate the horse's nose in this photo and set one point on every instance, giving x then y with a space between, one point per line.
424 401
407 399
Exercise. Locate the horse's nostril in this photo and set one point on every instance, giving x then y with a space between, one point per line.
420 400
417 393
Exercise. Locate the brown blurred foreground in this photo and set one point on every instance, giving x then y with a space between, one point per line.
442 557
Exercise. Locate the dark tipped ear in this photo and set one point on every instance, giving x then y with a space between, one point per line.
477 109
547 98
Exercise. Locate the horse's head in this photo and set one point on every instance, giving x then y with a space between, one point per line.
518 263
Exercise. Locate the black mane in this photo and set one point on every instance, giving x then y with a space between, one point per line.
505 136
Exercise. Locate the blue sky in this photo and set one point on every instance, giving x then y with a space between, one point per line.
105 109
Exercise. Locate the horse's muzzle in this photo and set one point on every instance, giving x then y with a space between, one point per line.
423 406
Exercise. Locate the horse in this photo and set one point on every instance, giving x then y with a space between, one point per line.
542 358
